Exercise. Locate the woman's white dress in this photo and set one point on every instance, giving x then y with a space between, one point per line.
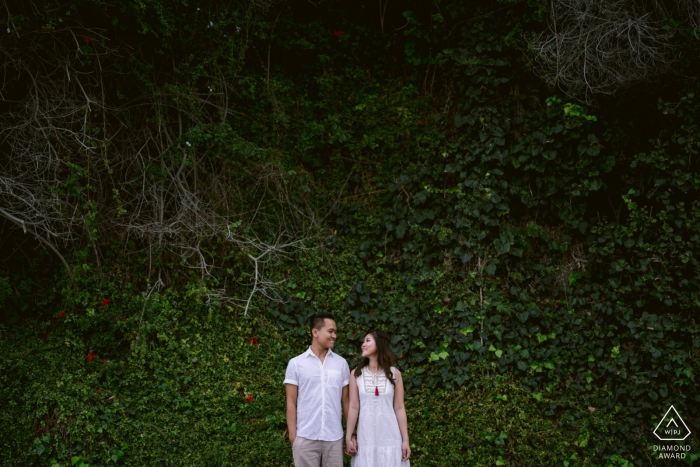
378 435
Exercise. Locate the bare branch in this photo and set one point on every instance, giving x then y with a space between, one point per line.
593 48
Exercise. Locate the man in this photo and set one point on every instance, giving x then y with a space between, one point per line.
317 383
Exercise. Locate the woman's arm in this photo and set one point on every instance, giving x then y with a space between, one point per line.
353 411
400 411
345 401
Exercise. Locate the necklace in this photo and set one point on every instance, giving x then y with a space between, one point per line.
375 380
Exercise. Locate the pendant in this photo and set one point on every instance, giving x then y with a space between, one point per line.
376 391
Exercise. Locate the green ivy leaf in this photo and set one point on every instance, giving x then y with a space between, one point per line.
401 229
39 446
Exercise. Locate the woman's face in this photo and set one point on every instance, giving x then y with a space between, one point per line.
369 346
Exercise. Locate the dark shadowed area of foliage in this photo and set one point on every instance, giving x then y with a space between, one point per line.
184 183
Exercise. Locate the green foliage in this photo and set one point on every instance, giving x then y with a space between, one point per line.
5 290
537 266
207 387
496 422
512 229
178 380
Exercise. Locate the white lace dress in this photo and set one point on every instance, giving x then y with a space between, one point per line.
378 435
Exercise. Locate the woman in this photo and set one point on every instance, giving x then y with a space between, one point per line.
377 387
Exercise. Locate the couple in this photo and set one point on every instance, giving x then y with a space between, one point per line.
319 381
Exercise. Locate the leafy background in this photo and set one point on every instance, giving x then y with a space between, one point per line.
535 260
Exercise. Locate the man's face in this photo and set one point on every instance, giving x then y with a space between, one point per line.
326 335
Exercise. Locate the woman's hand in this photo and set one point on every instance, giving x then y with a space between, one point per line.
350 445
406 450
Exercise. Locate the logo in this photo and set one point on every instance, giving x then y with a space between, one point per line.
672 427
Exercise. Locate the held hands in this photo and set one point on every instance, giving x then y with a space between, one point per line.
350 445
406 450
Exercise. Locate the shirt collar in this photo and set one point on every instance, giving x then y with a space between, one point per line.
310 352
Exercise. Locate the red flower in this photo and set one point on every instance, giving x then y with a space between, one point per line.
254 340
194 91
91 357
99 390
248 399
104 362
61 315
87 39
122 319
105 302
338 33
420 123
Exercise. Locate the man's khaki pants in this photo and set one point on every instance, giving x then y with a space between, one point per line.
316 453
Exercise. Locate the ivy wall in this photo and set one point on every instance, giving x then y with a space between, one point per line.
534 258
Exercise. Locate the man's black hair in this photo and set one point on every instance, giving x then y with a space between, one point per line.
319 319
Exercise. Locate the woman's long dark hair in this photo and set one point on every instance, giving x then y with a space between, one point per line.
385 356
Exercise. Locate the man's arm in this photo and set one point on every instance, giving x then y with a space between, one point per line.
292 391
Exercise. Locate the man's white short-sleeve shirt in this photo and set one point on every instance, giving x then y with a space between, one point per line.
320 388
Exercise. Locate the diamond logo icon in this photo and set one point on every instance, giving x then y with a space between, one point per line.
672 427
